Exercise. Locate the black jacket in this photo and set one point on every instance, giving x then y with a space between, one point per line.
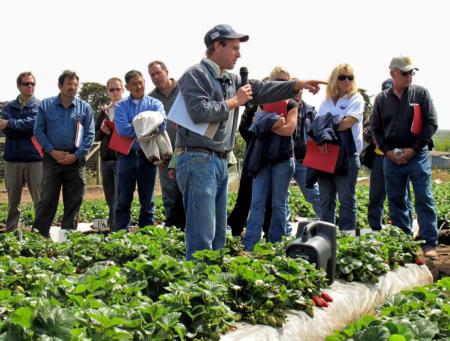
106 154
306 115
267 147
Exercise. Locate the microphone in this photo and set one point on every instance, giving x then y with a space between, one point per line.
243 71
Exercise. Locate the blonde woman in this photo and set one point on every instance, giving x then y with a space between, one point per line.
346 104
275 170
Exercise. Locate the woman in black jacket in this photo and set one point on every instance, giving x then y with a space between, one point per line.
114 88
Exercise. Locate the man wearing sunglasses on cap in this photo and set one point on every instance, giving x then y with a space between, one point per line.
23 163
213 96
403 123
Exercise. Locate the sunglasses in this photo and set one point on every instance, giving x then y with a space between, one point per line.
344 77
408 73
114 89
28 84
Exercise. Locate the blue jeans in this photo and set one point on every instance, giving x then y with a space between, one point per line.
203 181
109 182
273 179
418 170
344 187
132 170
172 199
311 194
377 196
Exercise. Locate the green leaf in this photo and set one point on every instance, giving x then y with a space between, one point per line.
22 317
424 329
80 288
378 333
5 294
397 337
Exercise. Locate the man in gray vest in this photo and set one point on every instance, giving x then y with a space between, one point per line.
213 95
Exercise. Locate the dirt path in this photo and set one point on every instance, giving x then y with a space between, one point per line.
92 192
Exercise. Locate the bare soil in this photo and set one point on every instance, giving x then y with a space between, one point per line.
93 192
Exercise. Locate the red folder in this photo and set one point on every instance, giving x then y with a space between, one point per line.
37 146
316 160
277 107
417 124
118 142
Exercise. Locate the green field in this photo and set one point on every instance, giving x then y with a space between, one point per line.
442 140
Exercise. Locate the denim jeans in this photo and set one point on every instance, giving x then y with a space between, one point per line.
172 200
311 194
418 170
132 170
109 182
72 179
377 196
273 179
344 187
203 181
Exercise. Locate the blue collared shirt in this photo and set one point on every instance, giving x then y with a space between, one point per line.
56 126
129 108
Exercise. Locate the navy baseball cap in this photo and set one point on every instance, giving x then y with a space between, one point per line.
387 84
223 32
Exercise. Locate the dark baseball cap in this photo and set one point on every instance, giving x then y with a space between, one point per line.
387 84
223 32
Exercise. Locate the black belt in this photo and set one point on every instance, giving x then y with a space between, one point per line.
222 155
136 152
70 151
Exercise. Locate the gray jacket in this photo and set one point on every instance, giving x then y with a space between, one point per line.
205 91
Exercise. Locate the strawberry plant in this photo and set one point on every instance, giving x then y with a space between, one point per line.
367 257
417 314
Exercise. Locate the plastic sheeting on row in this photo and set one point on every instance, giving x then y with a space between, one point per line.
350 302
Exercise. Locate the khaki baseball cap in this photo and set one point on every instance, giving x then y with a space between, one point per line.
402 63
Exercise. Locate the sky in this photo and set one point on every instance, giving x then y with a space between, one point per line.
101 39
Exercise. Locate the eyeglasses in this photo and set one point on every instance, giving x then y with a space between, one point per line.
280 80
344 77
28 84
114 89
408 73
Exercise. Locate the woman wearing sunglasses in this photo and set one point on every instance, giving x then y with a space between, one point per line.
272 149
108 167
346 105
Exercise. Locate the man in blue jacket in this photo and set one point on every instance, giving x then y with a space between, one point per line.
23 163
135 168
65 129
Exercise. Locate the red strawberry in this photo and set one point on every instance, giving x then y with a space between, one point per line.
420 261
326 297
319 302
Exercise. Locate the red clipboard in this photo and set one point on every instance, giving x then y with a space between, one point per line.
316 160
417 123
37 146
277 107
118 142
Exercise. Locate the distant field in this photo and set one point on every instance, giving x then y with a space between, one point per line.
442 140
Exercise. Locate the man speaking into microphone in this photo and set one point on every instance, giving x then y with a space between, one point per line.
213 95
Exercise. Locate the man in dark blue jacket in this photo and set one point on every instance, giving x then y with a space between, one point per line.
23 162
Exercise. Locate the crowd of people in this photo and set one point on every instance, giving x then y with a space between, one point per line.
47 142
